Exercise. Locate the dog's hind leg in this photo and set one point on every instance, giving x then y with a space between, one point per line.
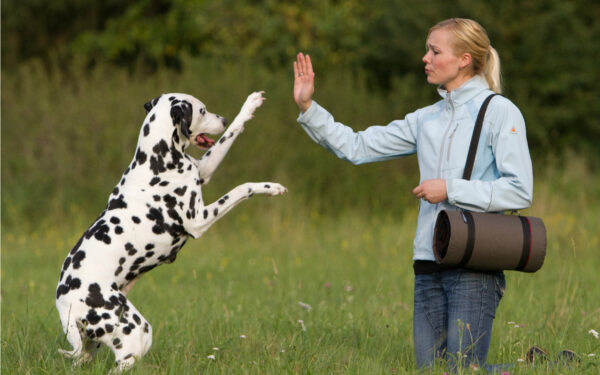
83 350
131 339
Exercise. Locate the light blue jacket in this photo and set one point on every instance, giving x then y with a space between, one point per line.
440 135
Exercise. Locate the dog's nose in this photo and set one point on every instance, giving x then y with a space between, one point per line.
223 120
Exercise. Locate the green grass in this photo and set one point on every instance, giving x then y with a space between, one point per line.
339 241
247 275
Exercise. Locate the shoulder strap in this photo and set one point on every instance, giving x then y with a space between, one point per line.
475 138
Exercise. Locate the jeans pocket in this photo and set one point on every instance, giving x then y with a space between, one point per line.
500 286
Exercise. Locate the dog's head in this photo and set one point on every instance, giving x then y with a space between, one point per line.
191 119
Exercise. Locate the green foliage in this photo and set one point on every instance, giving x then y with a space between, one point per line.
548 48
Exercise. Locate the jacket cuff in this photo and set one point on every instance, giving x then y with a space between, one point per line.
450 191
305 117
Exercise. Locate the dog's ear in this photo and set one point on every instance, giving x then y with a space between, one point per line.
181 114
151 104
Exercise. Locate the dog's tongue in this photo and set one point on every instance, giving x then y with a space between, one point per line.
203 141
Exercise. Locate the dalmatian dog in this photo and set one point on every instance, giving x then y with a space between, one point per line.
150 214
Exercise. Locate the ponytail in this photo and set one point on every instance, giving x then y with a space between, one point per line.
491 71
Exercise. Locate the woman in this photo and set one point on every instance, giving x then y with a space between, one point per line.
453 308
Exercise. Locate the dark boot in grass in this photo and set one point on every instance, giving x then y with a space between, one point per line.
536 355
567 357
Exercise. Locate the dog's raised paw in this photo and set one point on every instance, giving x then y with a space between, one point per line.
253 101
276 189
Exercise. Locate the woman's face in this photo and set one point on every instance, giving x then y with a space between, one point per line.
442 66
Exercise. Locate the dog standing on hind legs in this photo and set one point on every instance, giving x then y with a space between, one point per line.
150 214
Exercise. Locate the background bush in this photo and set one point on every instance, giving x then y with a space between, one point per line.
548 48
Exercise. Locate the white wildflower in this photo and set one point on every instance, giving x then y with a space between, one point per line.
592 355
520 360
212 356
305 306
593 333
301 322
215 349
242 336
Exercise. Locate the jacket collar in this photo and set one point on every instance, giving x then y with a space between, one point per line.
465 92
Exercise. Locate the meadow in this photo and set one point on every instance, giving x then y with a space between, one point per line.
318 281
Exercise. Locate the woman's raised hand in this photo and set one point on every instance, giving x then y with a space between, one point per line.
304 82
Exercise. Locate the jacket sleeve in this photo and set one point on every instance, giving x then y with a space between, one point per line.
513 187
376 143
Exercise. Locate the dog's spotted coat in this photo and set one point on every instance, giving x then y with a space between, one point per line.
151 212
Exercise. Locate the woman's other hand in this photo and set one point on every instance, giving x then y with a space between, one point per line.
433 191
304 82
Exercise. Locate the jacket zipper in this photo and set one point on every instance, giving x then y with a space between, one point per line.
441 158
450 139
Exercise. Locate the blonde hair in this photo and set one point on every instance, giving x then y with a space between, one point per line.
470 37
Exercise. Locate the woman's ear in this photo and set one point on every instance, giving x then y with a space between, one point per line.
465 60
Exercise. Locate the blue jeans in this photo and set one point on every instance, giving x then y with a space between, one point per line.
453 316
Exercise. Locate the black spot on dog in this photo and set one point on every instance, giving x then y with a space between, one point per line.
149 246
181 190
205 214
99 332
117 203
130 250
115 220
70 284
94 298
67 263
136 219
170 200
146 130
154 181
117 343
109 328
118 229
141 157
153 117
157 165
76 247
164 183
216 211
156 198
93 317
137 319
115 191
78 258
175 216
161 148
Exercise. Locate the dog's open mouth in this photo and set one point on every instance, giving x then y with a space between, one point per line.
204 142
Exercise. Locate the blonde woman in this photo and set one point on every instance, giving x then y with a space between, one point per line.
454 308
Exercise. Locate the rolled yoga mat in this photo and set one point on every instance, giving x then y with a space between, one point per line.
489 242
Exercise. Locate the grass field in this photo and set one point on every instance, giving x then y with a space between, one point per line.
237 300
239 289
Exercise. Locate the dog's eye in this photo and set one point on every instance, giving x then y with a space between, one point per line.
202 111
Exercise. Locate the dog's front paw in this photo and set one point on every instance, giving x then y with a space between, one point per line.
254 101
275 189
